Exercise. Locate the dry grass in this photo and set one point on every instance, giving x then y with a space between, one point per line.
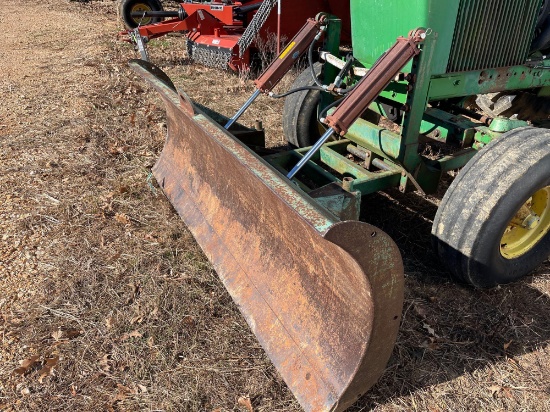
97 270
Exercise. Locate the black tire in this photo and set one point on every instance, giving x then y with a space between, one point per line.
542 30
300 124
126 7
544 12
481 202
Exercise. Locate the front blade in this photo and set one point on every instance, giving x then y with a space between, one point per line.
323 297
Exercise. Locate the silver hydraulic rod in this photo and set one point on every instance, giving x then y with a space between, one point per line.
310 153
243 109
309 34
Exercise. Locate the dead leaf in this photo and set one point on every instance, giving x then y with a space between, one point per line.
142 389
136 319
109 322
122 218
47 369
133 334
431 344
246 403
26 365
72 333
189 321
123 392
430 330
25 391
57 334
420 311
507 392
115 256
135 293
73 390
495 390
63 336
507 345
104 363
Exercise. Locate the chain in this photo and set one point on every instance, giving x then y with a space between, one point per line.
255 25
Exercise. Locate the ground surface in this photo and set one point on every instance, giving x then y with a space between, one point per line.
106 301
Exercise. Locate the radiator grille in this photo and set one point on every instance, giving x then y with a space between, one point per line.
492 33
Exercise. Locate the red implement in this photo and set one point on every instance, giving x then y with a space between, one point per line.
215 29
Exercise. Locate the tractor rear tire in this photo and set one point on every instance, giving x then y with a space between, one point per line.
493 224
300 125
127 7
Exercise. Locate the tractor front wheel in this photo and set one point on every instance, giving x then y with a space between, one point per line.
493 224
300 125
127 7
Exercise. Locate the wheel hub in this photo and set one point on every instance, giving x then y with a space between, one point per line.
528 226
140 8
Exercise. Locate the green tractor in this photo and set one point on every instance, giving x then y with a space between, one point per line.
321 290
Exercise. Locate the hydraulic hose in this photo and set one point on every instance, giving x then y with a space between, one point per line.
326 109
310 61
346 68
349 89
299 89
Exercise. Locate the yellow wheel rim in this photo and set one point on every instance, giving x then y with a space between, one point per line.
528 226
140 8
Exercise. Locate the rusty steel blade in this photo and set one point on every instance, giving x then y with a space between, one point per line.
323 297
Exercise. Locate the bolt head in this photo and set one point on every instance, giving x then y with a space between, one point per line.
531 222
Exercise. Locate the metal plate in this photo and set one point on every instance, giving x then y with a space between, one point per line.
323 297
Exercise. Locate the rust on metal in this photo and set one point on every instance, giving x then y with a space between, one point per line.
282 64
323 297
374 82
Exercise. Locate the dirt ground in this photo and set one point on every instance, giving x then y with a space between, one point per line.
107 302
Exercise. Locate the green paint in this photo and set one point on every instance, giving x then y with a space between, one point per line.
372 137
487 81
503 125
342 164
377 23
